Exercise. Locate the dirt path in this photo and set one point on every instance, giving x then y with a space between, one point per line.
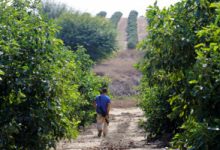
142 25
122 34
124 132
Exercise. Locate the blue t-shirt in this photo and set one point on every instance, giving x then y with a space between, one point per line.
102 101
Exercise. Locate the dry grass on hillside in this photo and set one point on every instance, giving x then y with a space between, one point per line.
121 71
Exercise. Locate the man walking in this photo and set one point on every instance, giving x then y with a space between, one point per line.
102 104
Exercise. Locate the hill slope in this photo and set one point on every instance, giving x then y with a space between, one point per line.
120 69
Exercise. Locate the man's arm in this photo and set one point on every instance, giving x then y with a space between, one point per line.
108 108
94 104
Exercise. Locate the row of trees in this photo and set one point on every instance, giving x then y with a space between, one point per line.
46 89
115 18
181 81
132 36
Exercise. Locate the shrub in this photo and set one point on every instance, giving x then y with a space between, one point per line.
102 14
95 34
89 86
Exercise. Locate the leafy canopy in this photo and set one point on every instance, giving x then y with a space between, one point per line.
45 89
180 88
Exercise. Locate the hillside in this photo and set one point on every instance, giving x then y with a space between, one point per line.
120 68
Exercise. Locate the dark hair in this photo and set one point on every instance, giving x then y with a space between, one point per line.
103 90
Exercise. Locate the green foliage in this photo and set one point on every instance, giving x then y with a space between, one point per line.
33 109
96 34
180 71
45 89
53 10
115 18
201 130
155 110
132 29
102 14
197 135
89 86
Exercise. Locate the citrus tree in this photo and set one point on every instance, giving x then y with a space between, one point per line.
176 81
45 89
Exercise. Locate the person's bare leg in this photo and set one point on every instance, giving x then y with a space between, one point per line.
99 124
99 133
105 129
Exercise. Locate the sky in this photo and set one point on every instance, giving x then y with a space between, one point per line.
111 6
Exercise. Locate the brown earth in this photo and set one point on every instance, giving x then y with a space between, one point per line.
124 131
120 68
142 24
122 34
124 134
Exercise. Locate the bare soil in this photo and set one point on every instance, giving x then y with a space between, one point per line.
142 25
124 134
120 69
122 34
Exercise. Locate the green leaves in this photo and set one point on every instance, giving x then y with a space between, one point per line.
95 34
1 73
45 88
193 82
182 63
